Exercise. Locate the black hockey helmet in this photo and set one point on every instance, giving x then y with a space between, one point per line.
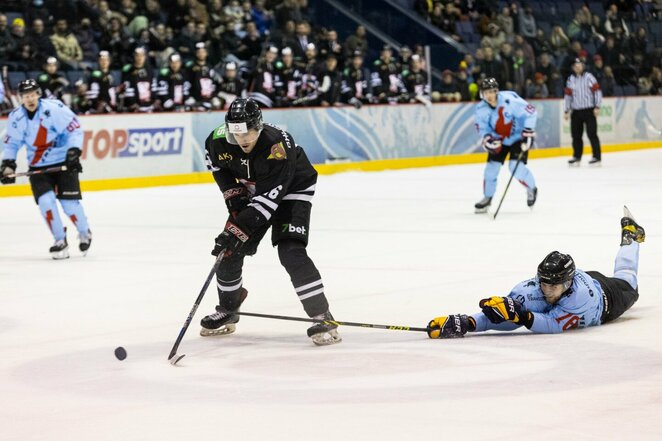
556 268
27 86
489 83
243 115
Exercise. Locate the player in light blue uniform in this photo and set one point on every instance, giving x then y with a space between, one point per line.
506 124
560 297
53 137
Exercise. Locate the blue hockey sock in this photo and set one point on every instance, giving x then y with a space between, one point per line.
74 209
51 214
627 263
523 174
490 178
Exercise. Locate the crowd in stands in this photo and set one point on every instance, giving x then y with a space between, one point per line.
106 56
140 56
530 47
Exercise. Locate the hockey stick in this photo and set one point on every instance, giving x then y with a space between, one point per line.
173 357
519 159
38 172
333 322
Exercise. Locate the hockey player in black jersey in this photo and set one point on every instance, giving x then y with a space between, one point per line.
138 84
385 78
266 181
231 86
172 87
355 88
203 81
101 87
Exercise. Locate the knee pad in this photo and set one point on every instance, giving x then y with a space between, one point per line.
46 201
292 253
70 206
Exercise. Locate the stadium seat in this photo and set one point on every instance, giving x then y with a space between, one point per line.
73 76
565 11
629 90
618 91
14 78
117 76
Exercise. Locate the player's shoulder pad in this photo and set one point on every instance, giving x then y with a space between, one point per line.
127 67
510 95
96 73
219 132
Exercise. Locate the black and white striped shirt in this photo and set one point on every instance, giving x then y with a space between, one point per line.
582 92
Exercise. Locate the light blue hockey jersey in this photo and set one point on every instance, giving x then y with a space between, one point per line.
580 308
48 135
507 120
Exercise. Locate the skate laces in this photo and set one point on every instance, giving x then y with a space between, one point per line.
218 315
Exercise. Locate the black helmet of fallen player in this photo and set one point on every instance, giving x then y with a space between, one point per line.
27 86
488 83
556 268
244 117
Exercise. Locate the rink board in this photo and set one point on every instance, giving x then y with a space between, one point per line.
130 151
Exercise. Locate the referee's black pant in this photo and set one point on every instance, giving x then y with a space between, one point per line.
577 120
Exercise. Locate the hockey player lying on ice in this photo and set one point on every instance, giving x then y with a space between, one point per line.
561 297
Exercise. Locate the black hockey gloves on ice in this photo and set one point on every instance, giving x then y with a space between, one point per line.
72 161
230 240
7 167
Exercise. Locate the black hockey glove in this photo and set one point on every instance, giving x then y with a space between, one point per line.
236 199
450 326
528 135
491 144
7 167
72 160
230 240
501 309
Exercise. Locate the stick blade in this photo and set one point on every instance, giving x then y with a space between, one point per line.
175 359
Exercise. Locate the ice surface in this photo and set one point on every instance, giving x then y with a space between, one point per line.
398 247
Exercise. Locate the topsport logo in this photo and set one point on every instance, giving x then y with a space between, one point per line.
132 143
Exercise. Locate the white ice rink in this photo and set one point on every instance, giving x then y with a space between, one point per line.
396 247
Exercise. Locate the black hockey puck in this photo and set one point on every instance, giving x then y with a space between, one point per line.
120 353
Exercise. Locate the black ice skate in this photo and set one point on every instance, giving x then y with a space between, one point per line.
595 162
60 249
482 205
221 322
631 230
574 162
85 240
325 333
531 196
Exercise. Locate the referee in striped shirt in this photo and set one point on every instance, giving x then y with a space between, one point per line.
582 105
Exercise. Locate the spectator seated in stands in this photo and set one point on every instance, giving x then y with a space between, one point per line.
66 46
537 88
449 90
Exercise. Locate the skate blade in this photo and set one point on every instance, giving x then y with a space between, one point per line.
326 338
627 213
223 330
481 210
576 164
60 255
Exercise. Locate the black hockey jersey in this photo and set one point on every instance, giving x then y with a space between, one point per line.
275 170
